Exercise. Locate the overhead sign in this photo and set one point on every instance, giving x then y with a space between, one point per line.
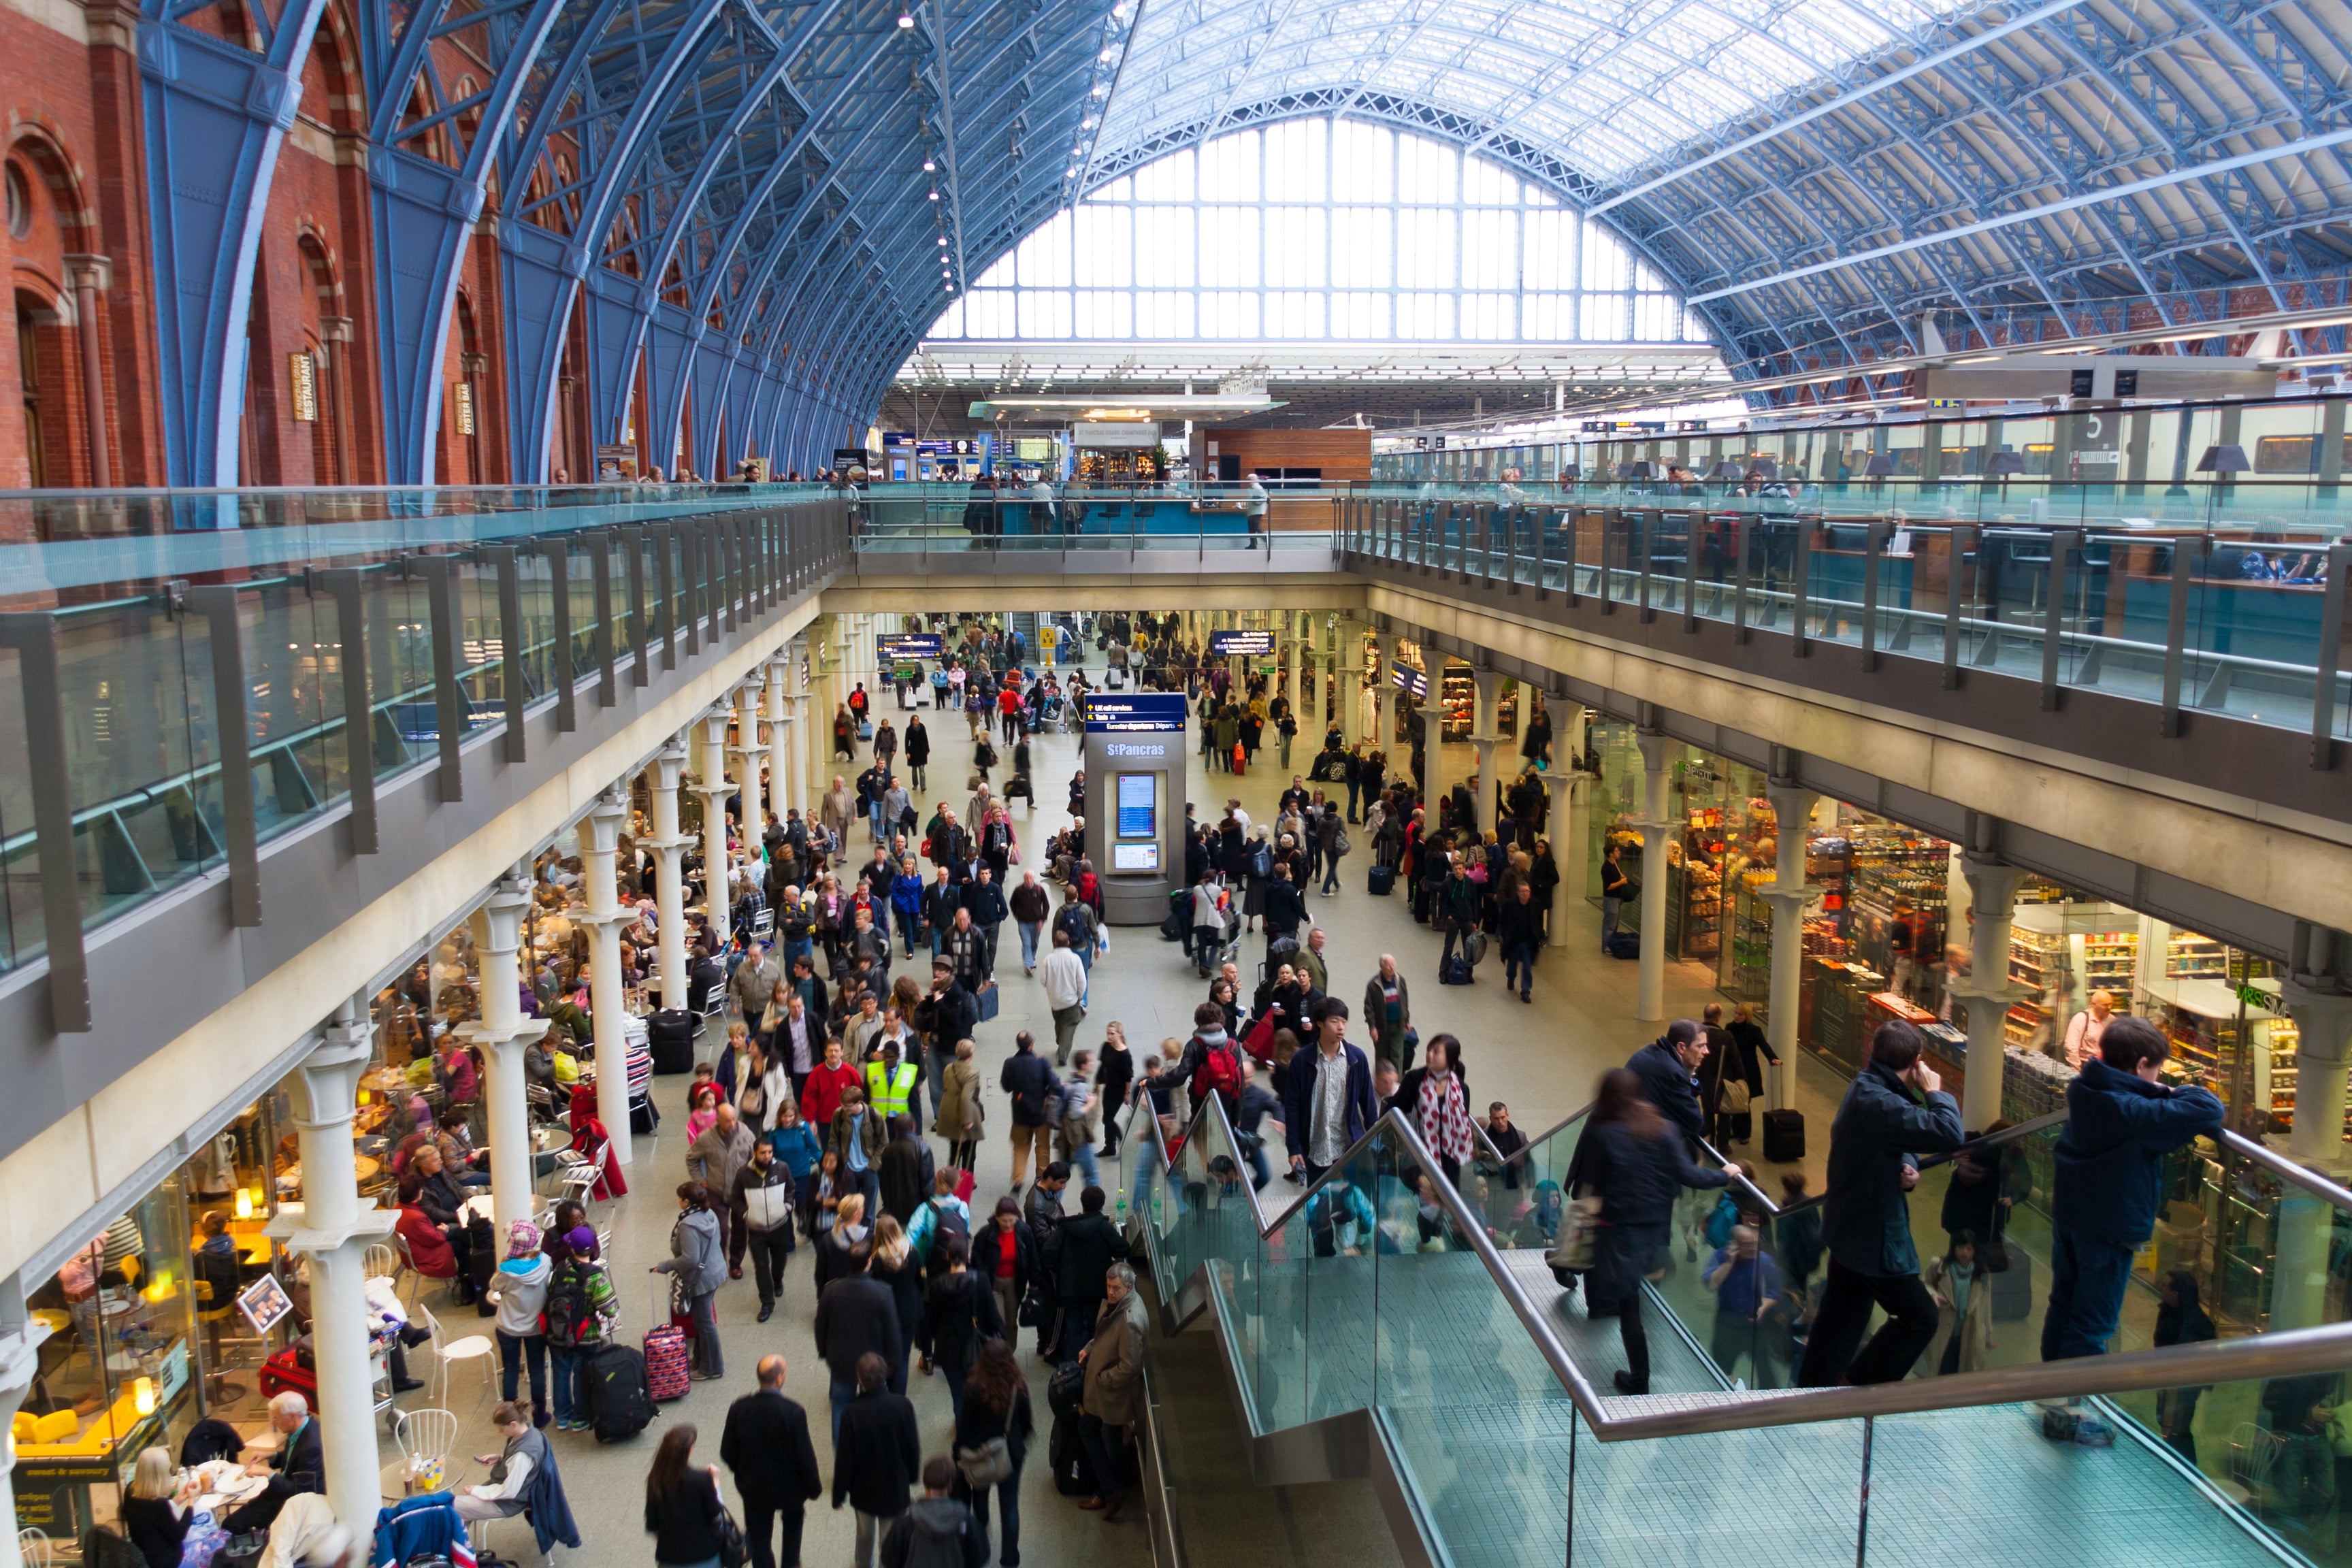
1407 678
910 645
1100 433
1223 642
958 449
1129 712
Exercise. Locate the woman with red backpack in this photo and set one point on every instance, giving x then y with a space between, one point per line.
1212 1060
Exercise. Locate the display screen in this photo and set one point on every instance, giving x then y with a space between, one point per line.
1133 712
1135 857
1138 804
1241 642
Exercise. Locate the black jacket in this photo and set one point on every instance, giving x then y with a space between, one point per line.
1667 1084
684 1523
904 1178
1090 1244
1286 907
960 1311
976 1424
853 1316
767 1447
1028 1077
987 1249
1880 1127
879 1455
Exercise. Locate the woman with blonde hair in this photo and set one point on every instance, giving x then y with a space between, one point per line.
896 1266
157 1516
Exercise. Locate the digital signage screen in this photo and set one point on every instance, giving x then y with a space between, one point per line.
1223 642
1137 806
1136 710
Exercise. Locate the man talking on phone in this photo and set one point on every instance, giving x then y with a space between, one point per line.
1895 1111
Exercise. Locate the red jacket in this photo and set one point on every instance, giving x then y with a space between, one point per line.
427 1247
822 1096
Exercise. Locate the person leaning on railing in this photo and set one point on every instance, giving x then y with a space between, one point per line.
2122 1121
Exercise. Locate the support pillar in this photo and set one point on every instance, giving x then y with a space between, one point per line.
1986 992
1351 700
600 841
1565 826
1792 807
502 1033
779 741
1653 826
1383 725
1432 750
669 890
20 1363
749 755
332 1232
1487 734
2322 1011
714 789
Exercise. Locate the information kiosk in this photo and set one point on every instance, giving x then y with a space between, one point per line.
1135 758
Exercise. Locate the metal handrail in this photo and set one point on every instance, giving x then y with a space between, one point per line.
2257 1357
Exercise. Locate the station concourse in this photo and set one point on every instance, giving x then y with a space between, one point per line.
1235 603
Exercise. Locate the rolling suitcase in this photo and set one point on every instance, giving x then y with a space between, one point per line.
1380 881
620 1404
1784 1136
669 1036
2013 1285
1625 944
665 1354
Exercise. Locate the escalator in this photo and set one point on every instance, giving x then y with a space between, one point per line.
1389 1330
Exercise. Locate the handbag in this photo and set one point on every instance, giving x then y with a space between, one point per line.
1735 1096
733 1550
989 1465
1578 1223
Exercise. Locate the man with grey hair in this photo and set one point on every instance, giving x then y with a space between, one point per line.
298 1465
1112 1399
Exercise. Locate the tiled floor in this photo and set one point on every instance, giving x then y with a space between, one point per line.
1481 1418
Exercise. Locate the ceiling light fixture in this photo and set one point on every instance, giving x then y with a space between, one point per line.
943 239
906 20
935 196
1105 56
930 165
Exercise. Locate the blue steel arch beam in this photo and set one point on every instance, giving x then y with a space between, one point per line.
425 211
215 114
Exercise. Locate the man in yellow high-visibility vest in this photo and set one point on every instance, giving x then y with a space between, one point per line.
889 1082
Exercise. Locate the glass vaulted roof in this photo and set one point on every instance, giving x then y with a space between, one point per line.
1605 85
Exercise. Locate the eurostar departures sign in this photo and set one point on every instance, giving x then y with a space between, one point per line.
910 645
1132 712
1223 642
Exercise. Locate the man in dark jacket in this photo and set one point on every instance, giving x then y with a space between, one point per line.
985 899
949 1013
877 1455
1029 1078
1668 1068
906 1168
1090 1244
1320 1119
1892 1113
2122 1120
1286 907
856 1315
767 1447
300 1465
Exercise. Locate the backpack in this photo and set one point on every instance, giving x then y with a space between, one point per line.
947 1224
1072 920
571 1319
1221 1069
1262 862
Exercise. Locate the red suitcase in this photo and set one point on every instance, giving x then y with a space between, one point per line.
665 1354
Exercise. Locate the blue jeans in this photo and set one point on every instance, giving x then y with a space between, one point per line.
1083 1153
2088 1278
571 1382
513 1351
1008 1497
1331 871
908 920
841 1395
1030 931
874 818
1609 908
797 948
1086 962
1519 959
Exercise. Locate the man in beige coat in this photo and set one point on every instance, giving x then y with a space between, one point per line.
1112 1400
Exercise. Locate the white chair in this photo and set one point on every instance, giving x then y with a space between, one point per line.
581 1172
427 1438
447 1350
33 1547
380 1262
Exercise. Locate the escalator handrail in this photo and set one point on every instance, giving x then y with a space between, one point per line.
2258 1357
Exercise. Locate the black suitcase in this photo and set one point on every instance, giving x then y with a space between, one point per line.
1380 881
669 1037
620 1404
1784 1136
643 1116
2013 1285
1625 944
1072 1476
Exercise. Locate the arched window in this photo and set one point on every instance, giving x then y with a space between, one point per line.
1322 231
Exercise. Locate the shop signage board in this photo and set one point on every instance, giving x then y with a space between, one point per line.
1100 435
1223 642
910 645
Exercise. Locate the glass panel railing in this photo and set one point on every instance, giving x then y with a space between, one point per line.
1357 1299
144 752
